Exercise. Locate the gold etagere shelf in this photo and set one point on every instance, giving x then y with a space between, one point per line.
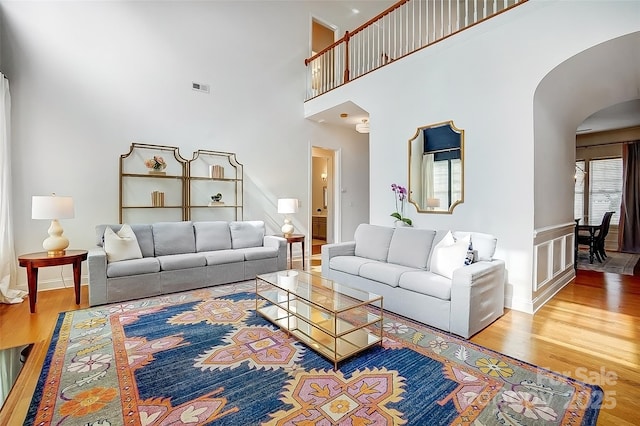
207 187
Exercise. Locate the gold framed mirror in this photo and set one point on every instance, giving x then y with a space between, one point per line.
436 168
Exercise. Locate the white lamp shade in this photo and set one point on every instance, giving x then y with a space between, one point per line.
433 202
51 207
287 205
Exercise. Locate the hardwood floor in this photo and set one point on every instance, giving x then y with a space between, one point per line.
589 331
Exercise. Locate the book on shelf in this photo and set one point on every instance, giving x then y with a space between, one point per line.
157 199
216 172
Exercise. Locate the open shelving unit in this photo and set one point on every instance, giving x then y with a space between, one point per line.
183 190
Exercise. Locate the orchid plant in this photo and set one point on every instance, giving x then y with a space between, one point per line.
400 194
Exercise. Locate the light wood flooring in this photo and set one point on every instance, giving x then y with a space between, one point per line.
589 331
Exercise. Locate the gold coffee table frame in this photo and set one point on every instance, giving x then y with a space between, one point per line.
330 318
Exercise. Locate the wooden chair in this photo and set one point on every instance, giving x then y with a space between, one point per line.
593 237
606 221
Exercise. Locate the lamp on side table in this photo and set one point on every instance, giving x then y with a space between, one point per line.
53 207
287 206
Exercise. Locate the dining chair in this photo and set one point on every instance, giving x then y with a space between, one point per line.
606 221
594 237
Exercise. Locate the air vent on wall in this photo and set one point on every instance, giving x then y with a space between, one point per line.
200 87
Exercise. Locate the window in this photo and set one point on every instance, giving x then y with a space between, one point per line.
604 189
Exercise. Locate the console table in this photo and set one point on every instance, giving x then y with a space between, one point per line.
33 261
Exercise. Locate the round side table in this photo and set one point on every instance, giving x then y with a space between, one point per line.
33 261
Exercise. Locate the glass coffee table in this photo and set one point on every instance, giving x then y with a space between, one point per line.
332 319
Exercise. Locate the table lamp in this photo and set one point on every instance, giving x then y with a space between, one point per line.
53 207
432 203
287 206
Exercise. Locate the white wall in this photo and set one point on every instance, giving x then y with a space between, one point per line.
90 78
484 79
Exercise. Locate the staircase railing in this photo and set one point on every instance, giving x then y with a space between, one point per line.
400 30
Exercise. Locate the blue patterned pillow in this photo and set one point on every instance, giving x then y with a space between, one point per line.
468 260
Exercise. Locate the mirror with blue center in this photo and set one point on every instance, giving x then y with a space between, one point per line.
436 168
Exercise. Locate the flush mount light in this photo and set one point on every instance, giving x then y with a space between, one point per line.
344 115
363 127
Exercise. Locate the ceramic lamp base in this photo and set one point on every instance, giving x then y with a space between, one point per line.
287 228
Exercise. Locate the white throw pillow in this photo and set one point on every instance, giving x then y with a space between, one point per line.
449 255
121 246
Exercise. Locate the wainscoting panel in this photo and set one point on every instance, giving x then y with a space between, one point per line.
553 261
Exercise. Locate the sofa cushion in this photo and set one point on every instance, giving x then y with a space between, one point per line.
255 253
173 238
221 257
144 235
122 245
372 241
425 282
411 247
348 264
249 233
449 255
181 261
483 244
386 273
212 235
146 265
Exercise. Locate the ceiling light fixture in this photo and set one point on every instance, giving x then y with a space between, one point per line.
363 127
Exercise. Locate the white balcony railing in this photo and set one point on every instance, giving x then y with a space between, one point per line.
403 28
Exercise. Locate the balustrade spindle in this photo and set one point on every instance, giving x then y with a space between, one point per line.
400 30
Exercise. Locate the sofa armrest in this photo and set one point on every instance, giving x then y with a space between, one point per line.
97 265
281 244
477 296
328 251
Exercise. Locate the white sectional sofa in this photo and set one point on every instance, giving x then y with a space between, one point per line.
422 275
177 256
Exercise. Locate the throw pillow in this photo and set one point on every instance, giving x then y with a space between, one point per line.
449 255
468 260
122 245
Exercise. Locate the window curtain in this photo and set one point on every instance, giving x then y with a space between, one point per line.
427 178
8 267
629 231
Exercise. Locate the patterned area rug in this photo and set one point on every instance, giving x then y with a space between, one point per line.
616 262
205 357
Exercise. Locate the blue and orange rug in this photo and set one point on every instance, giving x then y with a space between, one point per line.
205 357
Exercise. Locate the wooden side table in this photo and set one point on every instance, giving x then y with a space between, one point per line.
294 238
33 261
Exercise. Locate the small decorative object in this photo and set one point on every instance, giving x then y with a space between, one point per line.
400 194
216 172
216 199
156 165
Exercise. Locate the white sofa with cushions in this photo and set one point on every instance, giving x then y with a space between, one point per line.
142 260
445 279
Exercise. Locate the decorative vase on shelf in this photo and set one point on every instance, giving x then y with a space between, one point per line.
156 165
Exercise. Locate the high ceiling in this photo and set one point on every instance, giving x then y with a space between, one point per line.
348 14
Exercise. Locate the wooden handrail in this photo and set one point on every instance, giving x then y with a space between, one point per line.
326 67
347 35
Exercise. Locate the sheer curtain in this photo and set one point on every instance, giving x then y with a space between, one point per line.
629 232
427 177
8 269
